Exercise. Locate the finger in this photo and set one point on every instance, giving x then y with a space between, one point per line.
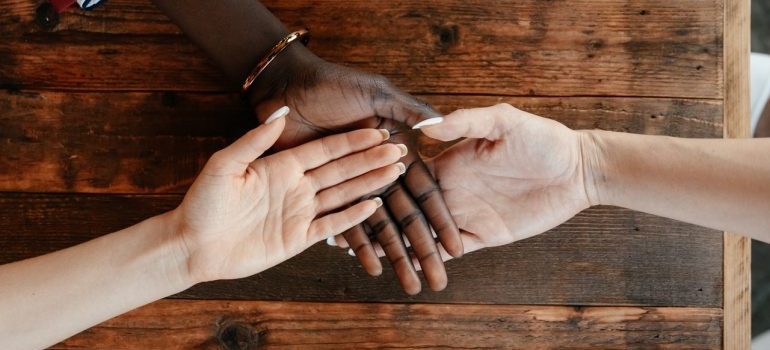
362 248
336 223
337 241
250 146
411 220
425 191
488 122
356 164
348 191
392 103
319 152
388 236
470 241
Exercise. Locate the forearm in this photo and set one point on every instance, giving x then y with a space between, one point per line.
49 298
234 33
717 183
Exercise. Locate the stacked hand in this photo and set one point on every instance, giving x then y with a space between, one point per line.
326 98
515 176
243 215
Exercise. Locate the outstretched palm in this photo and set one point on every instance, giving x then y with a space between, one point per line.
516 176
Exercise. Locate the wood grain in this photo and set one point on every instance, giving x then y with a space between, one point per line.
132 142
737 248
512 47
602 256
185 324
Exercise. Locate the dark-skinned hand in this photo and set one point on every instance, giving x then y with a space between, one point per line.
326 98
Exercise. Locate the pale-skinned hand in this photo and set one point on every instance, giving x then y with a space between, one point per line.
515 175
244 215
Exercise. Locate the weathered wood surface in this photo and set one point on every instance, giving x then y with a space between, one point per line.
150 108
185 324
513 47
603 256
157 142
737 248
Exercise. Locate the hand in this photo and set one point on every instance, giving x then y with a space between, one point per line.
517 175
326 98
242 216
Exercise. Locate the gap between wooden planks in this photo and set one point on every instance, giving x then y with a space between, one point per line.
217 324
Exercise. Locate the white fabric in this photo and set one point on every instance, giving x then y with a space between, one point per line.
760 86
761 342
91 3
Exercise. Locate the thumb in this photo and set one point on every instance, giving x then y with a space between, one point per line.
255 142
392 103
488 122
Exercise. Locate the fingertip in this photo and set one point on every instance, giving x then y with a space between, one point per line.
456 250
428 122
331 241
376 272
341 242
437 132
277 115
412 289
439 284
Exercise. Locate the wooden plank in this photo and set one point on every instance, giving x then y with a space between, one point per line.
185 324
603 256
737 248
157 142
512 47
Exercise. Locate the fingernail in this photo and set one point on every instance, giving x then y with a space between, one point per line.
378 201
401 168
280 113
428 122
331 241
351 252
385 134
403 149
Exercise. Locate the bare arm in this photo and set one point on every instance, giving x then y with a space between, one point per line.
518 175
49 298
722 184
240 217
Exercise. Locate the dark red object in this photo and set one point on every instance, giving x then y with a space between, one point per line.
61 5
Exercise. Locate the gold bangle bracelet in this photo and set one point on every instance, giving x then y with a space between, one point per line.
302 34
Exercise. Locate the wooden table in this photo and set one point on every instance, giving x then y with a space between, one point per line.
106 116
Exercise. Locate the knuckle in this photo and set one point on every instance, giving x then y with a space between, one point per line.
411 217
400 260
423 256
427 193
505 108
383 229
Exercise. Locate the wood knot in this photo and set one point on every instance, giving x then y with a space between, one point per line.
448 35
233 335
46 16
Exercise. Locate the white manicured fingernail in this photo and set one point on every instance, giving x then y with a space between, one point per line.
428 122
385 134
351 252
378 201
401 168
331 241
280 113
403 149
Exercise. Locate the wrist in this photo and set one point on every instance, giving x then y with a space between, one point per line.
176 251
294 61
594 167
